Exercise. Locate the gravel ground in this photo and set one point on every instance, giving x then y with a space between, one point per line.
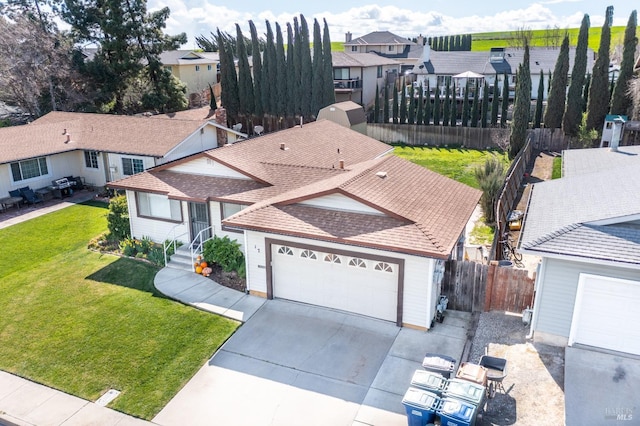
535 373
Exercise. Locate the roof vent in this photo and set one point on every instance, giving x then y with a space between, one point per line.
283 146
341 163
68 137
381 175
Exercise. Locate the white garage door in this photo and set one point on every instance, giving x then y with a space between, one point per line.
607 314
349 283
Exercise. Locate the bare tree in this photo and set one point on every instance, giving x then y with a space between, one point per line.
520 38
553 37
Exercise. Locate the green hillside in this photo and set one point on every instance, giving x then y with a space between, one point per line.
485 41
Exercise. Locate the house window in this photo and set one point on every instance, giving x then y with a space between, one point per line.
229 209
341 73
354 48
27 169
308 254
131 166
359 263
285 250
209 67
197 67
332 258
391 48
91 159
383 266
158 207
379 71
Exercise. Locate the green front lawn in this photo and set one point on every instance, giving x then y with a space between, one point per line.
456 163
85 322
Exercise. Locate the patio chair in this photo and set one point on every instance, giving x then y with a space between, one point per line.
31 197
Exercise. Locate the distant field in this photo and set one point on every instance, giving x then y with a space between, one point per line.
485 41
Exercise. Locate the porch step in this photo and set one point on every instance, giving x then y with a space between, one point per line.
181 259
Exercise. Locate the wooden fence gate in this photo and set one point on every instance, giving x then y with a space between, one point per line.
474 287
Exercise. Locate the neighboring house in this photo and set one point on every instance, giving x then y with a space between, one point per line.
436 66
586 228
197 70
386 44
324 215
101 147
356 75
348 114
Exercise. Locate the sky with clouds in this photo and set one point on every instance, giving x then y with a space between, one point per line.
436 17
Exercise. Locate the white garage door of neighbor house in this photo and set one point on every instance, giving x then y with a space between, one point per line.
607 314
354 284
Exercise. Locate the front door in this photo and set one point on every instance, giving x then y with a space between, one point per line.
199 219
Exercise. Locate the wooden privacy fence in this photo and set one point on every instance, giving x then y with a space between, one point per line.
474 287
421 135
549 139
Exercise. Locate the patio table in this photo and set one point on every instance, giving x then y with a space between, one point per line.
10 201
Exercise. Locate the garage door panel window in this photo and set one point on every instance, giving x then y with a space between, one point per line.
332 258
308 254
285 250
359 263
383 266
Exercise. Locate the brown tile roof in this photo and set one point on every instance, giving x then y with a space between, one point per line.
100 132
429 211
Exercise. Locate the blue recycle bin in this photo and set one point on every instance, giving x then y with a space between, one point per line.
437 363
421 406
427 380
457 412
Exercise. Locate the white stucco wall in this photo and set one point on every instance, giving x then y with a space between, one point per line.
418 300
207 167
114 162
201 140
341 202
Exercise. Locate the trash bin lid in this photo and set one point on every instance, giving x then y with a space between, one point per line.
428 380
441 362
464 389
472 372
420 398
457 409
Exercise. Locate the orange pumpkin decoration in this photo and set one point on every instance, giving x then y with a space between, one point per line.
198 270
204 265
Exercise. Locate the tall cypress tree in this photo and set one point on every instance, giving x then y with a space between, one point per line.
428 110
598 103
317 85
281 74
329 94
466 107
505 100
376 106
475 107
446 108
385 106
453 110
403 103
484 114
520 121
446 44
495 102
245 84
291 72
575 102
257 70
436 106
539 101
306 74
229 80
269 64
395 109
297 67
585 92
420 109
411 115
557 95
621 102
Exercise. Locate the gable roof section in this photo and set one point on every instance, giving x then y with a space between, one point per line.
379 38
346 59
98 132
186 57
425 211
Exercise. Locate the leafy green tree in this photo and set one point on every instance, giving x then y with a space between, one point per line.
575 102
495 103
282 74
557 95
329 96
466 107
376 106
317 93
395 106
385 107
475 106
484 113
446 108
453 110
621 100
598 103
306 69
245 83
505 100
539 101
118 219
257 70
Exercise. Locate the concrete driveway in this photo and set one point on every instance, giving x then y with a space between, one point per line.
601 388
298 364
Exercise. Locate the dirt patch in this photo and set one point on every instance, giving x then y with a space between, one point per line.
534 385
228 279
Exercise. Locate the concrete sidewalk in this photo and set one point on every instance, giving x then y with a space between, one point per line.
203 293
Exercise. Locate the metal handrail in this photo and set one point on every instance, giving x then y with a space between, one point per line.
197 249
172 241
